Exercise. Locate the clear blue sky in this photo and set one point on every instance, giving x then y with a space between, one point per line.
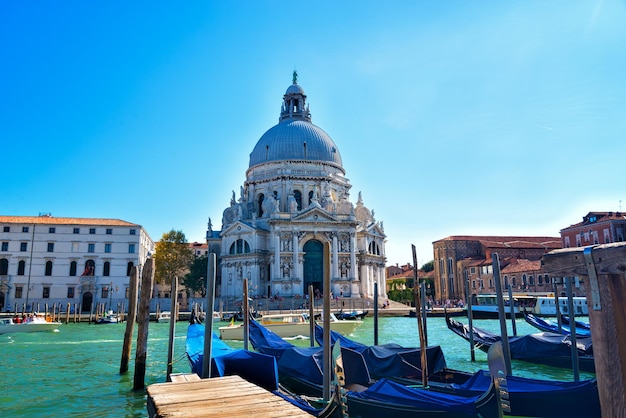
452 117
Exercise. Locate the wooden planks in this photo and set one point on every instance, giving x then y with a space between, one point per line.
229 396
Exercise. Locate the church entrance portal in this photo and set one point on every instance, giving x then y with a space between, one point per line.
87 301
313 266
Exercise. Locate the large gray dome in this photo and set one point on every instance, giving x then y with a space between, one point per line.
295 140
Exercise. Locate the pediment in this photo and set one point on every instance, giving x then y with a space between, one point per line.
314 215
375 229
238 227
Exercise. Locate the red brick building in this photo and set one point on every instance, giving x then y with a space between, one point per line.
596 228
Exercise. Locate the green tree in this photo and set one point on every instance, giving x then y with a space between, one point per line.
428 267
195 280
172 257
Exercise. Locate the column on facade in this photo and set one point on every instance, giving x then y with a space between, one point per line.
276 272
353 266
335 269
295 270
365 287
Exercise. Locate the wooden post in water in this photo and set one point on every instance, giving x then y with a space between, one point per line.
556 302
311 318
326 320
246 314
420 326
470 319
424 312
512 310
143 320
173 315
375 313
67 314
208 318
130 321
602 269
570 300
75 313
495 261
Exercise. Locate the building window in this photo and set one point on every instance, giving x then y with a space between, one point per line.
92 231
77 230
106 269
131 248
4 267
91 248
472 270
105 292
18 292
240 247
90 268
70 292
5 246
52 230
567 244
73 266
7 229
51 247
127 293
133 232
506 282
48 268
21 267
473 284
24 229
297 194
23 246
540 278
109 231
531 280
46 292
129 267
107 248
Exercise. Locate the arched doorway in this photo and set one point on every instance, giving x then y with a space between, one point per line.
314 266
87 301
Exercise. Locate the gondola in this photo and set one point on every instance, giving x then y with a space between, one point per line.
350 315
543 348
258 368
579 324
302 370
549 326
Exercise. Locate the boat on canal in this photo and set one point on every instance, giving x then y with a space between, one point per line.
34 323
288 325
542 348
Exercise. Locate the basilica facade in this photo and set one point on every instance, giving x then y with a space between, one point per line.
293 222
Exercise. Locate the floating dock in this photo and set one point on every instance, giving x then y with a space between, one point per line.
231 396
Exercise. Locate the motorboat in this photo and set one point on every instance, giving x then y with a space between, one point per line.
108 318
32 323
164 316
288 325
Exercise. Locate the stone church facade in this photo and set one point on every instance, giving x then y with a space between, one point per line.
293 221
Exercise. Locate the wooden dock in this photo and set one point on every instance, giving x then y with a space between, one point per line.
223 397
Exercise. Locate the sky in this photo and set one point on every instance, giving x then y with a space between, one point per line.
451 117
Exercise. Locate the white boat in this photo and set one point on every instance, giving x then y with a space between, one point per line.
164 316
288 325
34 323
486 306
546 306
108 318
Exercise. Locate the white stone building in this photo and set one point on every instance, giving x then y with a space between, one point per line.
293 221
82 261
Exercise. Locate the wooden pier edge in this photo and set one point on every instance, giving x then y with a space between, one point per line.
602 269
226 397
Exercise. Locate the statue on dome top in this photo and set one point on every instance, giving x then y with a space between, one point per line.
295 77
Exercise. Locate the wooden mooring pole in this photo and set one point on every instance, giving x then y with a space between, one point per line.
173 317
602 269
130 321
143 320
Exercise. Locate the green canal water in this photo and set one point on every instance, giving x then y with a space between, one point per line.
75 371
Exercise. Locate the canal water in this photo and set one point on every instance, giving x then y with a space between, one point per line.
75 371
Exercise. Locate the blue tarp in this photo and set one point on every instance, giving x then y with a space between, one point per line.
395 394
257 368
390 360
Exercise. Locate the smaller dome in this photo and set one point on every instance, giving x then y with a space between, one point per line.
295 89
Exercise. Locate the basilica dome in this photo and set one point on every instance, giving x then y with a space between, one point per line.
295 138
